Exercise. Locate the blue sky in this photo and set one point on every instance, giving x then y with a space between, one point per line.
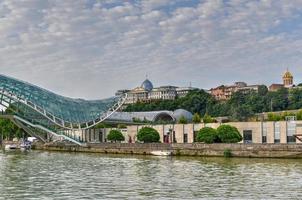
91 48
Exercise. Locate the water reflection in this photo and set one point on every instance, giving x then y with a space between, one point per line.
38 175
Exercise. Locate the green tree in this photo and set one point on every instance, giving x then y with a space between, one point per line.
9 130
279 99
262 90
148 135
196 118
115 135
295 98
228 134
242 112
299 115
207 135
182 120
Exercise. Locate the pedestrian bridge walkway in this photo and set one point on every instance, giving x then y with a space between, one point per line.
38 110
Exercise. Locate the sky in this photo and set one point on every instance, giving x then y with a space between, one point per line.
89 48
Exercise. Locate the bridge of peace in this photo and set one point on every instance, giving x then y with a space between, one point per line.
42 113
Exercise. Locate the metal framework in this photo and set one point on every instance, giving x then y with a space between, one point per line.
38 108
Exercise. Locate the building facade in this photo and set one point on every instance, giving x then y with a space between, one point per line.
147 93
225 92
252 132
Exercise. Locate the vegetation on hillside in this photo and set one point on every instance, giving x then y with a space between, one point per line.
241 106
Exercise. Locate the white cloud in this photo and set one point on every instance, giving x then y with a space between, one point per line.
92 48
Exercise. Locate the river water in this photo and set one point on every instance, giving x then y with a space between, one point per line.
55 175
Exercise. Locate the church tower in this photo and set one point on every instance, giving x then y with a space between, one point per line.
287 79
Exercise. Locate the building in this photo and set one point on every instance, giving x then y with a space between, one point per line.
252 132
147 93
225 92
183 91
288 82
138 94
288 79
275 87
163 93
150 116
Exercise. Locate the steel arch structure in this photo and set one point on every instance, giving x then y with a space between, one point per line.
62 116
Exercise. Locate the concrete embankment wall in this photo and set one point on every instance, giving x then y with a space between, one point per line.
195 149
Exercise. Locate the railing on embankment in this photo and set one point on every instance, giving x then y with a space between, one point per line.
194 149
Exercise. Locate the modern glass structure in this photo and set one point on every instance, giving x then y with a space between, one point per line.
38 110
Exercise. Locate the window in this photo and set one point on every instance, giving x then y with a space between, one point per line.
277 132
174 138
185 138
247 136
264 132
290 131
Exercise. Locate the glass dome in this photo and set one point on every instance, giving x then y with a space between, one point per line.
147 85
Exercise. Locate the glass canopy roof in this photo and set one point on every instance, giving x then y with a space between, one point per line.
67 109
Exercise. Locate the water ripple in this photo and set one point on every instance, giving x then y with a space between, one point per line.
52 175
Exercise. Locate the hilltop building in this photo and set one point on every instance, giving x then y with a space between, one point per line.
224 92
288 79
287 82
147 93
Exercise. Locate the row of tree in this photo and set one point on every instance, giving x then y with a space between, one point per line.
241 106
223 134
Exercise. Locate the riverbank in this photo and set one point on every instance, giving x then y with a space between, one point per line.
194 149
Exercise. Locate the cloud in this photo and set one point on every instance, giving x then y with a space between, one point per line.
91 48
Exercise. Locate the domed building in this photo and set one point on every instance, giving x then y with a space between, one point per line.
287 79
288 82
147 93
147 85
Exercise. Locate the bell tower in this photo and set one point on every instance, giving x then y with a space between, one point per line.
287 79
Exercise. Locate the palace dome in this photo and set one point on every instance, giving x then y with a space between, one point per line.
147 85
287 74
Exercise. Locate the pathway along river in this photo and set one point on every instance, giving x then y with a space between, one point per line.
55 175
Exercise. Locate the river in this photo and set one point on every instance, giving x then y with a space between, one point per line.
56 175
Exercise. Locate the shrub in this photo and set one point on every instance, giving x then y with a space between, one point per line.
120 126
182 120
299 115
207 135
207 119
148 135
228 134
196 118
115 135
273 117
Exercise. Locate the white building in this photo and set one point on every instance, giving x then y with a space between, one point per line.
147 93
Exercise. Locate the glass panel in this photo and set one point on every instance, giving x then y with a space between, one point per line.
67 109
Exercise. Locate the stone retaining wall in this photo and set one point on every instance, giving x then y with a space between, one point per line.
195 149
